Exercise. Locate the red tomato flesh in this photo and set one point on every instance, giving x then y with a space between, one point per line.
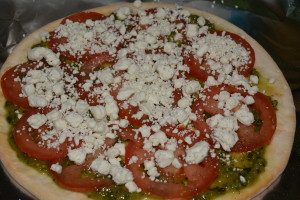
81 17
249 139
70 178
194 187
202 70
83 76
12 88
28 146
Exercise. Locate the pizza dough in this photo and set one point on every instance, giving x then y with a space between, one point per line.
41 186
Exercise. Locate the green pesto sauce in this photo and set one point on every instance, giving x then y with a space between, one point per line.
248 165
41 44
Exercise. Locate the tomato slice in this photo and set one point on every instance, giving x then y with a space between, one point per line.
70 178
249 139
194 187
201 70
92 156
84 75
55 39
181 133
171 173
27 144
12 88
130 134
128 111
81 17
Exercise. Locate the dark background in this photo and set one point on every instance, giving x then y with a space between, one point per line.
275 24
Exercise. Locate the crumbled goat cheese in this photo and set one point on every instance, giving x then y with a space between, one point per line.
244 115
77 155
56 168
100 165
37 120
164 158
38 53
121 175
196 153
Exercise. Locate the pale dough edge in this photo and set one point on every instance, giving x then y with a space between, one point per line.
35 181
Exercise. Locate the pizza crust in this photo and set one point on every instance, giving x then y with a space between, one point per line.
40 186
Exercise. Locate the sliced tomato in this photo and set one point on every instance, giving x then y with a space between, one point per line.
209 106
249 139
201 70
82 17
23 137
128 111
171 173
169 189
92 156
181 133
177 96
12 88
84 75
70 178
131 135
55 39
247 68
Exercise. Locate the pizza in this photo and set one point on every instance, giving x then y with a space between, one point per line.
143 101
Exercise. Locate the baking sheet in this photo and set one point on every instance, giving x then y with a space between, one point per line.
274 24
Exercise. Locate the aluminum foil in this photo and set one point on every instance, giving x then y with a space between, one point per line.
275 24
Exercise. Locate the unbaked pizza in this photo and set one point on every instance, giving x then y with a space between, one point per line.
143 101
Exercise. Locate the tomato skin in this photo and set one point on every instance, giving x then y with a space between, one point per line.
131 135
70 178
244 70
81 17
183 132
26 144
84 73
202 70
169 189
249 139
129 112
11 88
199 70
55 39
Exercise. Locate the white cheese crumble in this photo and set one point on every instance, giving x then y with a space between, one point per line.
38 53
77 155
56 168
164 158
100 165
37 120
196 153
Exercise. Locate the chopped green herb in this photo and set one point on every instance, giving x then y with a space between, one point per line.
274 102
257 121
